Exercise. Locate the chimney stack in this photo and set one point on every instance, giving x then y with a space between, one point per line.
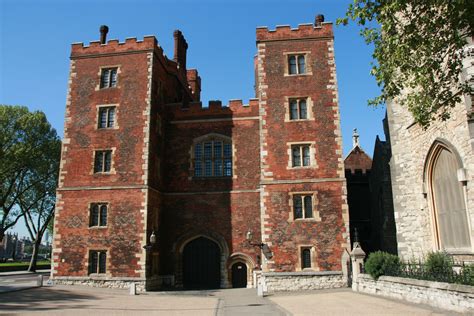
318 21
180 48
104 29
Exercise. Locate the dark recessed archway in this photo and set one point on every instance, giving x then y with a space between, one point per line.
201 264
239 275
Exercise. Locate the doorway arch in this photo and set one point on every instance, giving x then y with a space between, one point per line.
201 264
239 275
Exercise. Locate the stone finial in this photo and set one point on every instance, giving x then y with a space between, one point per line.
355 139
104 29
319 20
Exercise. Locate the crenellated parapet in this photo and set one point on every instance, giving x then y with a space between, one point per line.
303 31
215 109
114 46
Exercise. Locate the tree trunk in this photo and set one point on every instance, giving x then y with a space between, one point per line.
2 234
34 255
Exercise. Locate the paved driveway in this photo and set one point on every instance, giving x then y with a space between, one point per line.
346 302
78 300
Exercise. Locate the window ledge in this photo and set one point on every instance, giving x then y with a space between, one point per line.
297 75
98 227
98 276
311 219
305 167
212 178
106 128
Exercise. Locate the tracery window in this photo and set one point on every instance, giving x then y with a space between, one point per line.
213 158
447 195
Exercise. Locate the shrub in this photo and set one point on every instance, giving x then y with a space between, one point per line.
382 263
439 263
467 275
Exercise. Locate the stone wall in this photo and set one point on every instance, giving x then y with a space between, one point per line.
296 281
111 283
411 193
454 297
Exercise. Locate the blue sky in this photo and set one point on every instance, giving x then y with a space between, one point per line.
35 38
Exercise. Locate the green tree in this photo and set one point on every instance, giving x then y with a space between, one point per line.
418 51
37 204
29 152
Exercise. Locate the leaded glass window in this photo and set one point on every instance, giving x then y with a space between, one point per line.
213 158
301 155
106 117
296 64
302 206
305 258
97 261
98 214
108 78
102 161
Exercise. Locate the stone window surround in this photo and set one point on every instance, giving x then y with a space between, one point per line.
314 263
99 75
309 108
112 164
107 263
314 199
89 212
431 157
312 154
98 107
307 61
207 137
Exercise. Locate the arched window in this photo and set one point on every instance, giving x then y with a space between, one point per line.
448 201
305 258
212 156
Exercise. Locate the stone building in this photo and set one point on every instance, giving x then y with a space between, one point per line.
432 174
157 189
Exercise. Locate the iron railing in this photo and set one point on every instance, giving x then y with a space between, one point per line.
460 273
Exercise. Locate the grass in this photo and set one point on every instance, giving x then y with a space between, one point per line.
23 264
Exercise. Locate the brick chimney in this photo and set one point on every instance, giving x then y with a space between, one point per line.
318 21
180 48
104 29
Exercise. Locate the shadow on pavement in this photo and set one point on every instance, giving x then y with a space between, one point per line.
42 299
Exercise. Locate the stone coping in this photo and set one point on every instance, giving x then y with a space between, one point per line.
303 273
97 278
424 283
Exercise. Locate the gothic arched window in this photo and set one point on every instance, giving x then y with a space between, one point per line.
448 202
212 156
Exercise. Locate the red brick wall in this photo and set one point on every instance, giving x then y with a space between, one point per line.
121 238
221 207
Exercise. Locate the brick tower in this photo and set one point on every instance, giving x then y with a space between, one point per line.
303 199
158 190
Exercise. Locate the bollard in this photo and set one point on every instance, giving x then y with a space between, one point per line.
259 289
39 281
133 289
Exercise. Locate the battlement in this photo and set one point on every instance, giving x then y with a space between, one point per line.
115 46
285 32
215 109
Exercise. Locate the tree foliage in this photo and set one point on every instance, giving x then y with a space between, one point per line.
29 161
418 49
